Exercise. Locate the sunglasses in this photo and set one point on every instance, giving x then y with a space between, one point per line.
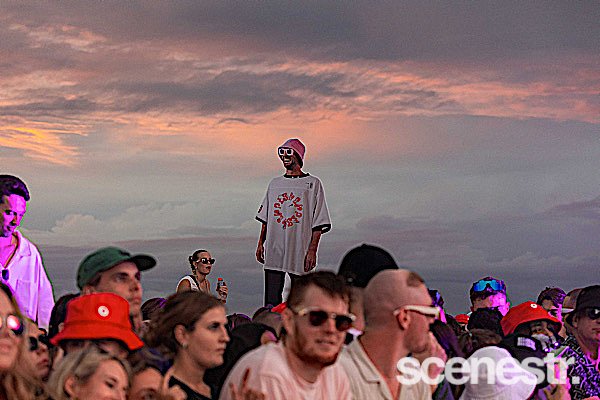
318 317
5 274
282 151
428 311
14 323
34 342
205 260
593 313
493 284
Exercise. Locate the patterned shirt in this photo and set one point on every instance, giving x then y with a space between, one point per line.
585 378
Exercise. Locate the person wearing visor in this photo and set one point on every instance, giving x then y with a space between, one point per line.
583 344
201 264
489 292
293 215
303 364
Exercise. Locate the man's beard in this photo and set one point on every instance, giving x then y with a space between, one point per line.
298 346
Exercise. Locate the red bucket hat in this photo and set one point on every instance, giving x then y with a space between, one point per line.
99 316
526 312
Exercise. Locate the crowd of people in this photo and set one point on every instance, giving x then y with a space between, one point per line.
370 331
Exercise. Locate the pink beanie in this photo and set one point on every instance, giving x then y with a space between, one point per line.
296 145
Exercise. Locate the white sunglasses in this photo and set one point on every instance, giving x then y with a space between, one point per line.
283 151
428 311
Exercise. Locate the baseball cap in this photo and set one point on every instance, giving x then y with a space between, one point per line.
99 316
362 263
589 297
107 257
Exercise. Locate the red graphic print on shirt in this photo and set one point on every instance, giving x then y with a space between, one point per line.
288 209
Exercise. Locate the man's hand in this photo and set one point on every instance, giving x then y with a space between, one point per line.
244 392
433 350
310 261
260 253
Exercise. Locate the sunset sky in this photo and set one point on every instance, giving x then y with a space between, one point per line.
464 137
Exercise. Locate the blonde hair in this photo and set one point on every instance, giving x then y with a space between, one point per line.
14 383
82 365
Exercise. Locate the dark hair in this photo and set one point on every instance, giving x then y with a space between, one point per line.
184 308
446 338
194 256
457 328
300 162
261 310
436 298
476 339
486 318
327 281
234 320
10 184
59 313
555 294
152 307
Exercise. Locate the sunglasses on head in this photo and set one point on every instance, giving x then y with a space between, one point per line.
205 260
493 284
14 323
592 313
428 311
34 342
318 317
283 151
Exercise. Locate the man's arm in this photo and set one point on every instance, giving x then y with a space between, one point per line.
260 250
310 261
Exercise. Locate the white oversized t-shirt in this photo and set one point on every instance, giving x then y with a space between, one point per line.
292 208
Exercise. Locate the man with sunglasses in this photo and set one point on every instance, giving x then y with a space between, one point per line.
398 311
489 292
20 261
583 345
293 214
114 270
303 364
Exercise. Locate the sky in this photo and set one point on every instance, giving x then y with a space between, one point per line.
462 137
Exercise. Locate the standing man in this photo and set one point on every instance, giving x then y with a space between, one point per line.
293 216
20 261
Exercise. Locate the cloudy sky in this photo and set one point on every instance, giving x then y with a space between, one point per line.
463 137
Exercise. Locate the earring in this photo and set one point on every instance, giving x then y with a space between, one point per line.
184 345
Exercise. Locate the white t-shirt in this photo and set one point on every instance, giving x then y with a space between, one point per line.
292 208
271 374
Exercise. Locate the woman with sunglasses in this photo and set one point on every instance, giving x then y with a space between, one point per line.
191 331
35 356
90 374
13 383
201 263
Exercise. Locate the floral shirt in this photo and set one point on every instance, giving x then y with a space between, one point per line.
585 378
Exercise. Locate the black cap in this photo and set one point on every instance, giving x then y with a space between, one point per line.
589 297
362 263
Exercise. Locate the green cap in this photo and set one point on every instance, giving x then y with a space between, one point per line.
107 257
